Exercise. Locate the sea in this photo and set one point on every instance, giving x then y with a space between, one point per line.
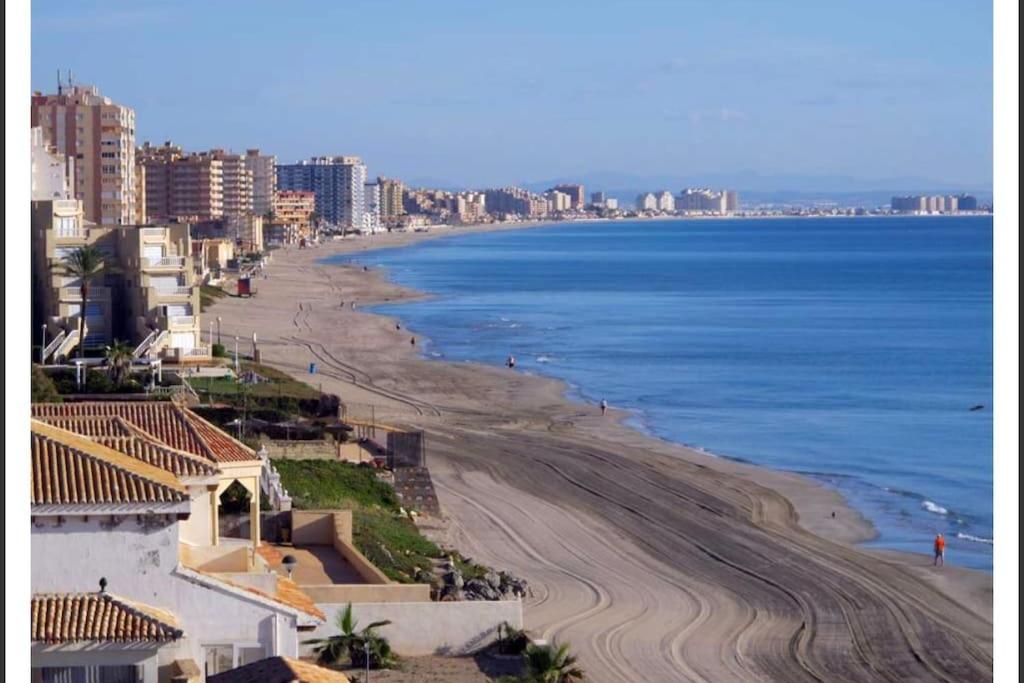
856 351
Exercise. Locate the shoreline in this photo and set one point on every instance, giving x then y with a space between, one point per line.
494 432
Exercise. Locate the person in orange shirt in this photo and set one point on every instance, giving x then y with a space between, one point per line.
940 550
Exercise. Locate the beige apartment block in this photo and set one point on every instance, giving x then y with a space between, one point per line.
181 186
237 182
391 193
161 300
58 228
264 180
99 135
295 208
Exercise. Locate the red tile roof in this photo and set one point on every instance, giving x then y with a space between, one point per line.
99 617
167 422
69 469
279 670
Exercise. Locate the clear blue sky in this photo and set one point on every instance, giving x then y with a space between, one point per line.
482 93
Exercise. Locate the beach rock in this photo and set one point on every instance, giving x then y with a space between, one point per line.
493 579
478 589
454 578
451 594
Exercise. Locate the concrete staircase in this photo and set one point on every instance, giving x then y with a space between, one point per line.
415 490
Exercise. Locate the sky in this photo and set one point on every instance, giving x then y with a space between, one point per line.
470 93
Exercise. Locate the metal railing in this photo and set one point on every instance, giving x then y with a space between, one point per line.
75 293
54 343
173 291
181 320
165 262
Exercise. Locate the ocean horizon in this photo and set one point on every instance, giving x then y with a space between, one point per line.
850 350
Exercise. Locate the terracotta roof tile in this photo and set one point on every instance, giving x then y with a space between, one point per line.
279 670
175 426
99 617
176 462
69 469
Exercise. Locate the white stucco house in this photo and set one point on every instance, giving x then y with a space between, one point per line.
130 578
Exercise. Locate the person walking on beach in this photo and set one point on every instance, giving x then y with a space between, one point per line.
511 362
940 551
604 406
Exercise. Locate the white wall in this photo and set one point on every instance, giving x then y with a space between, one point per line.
140 562
198 528
424 628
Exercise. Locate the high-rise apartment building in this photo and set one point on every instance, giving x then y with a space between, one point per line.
182 186
666 202
707 201
99 135
575 192
264 180
391 200
646 202
237 183
558 201
339 183
597 198
295 208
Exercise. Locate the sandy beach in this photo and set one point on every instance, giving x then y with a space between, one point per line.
656 562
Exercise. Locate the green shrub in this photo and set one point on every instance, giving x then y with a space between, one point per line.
328 484
219 351
43 388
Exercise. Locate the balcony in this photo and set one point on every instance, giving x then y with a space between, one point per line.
75 293
173 292
164 263
178 322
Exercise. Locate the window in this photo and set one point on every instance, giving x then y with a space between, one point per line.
221 658
67 226
92 674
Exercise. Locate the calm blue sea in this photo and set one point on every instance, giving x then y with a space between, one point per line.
850 350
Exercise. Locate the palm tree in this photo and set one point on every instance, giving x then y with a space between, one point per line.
332 649
551 664
119 357
83 264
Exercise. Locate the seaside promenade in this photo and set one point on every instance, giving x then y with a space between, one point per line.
654 561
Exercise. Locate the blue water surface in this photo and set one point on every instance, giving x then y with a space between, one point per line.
848 349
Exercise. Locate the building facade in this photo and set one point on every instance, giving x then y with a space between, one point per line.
153 593
237 181
576 194
264 180
295 208
99 136
338 183
391 200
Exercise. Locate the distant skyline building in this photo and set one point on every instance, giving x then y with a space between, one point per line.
611 203
666 202
264 180
577 196
391 199
558 202
338 182
934 203
646 202
597 198
706 200
237 182
182 186
99 135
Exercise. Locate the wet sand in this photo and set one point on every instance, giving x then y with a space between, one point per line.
655 561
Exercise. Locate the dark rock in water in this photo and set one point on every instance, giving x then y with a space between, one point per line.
977 407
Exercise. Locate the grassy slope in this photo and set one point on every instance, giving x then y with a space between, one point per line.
389 540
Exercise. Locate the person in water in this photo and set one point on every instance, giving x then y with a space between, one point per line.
604 406
511 362
940 550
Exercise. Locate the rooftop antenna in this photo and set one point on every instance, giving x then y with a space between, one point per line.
60 87
71 78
